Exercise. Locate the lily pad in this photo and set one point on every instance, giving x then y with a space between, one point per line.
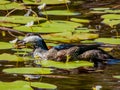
80 20
68 65
110 22
25 70
45 1
83 30
112 11
24 85
4 2
23 50
5 45
5 24
60 12
100 9
108 40
10 6
20 19
111 16
117 76
105 10
68 37
50 27
10 57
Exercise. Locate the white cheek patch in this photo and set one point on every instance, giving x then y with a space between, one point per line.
31 39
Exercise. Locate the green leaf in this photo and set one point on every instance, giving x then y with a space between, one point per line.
69 37
108 40
5 24
25 70
60 12
111 16
105 10
62 65
24 85
4 2
117 76
45 1
50 27
10 6
23 50
21 19
80 20
10 57
100 9
110 22
5 45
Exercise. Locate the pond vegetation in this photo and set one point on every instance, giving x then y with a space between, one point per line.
58 22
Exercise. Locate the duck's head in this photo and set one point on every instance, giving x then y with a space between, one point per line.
34 40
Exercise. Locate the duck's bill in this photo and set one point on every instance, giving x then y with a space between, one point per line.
20 44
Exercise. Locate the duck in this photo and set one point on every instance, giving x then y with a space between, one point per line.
67 52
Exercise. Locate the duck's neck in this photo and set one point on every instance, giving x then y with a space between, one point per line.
41 44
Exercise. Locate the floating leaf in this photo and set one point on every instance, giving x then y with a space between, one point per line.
5 45
20 19
5 24
10 57
24 85
60 12
110 22
100 9
113 11
4 2
83 30
111 16
23 50
10 6
25 70
62 65
80 20
69 37
105 10
45 1
108 40
50 27
117 76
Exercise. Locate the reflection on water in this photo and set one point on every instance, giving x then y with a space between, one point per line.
88 80
83 81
